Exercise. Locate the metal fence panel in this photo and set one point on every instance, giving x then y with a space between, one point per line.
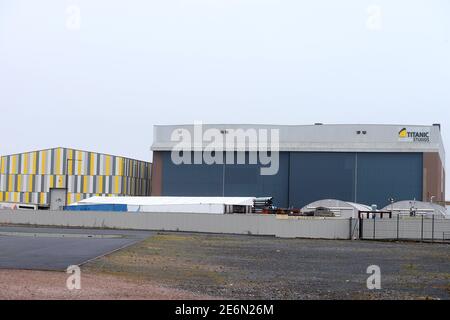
421 228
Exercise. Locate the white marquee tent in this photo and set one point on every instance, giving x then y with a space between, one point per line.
217 205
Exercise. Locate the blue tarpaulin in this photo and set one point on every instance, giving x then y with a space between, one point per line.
98 207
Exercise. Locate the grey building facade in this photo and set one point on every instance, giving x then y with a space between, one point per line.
358 163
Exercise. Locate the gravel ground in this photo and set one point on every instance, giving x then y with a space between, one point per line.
251 267
49 285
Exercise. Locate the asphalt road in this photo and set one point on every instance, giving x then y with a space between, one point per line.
57 248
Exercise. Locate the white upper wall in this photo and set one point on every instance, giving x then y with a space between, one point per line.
334 138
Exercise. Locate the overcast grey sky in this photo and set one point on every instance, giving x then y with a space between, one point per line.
102 83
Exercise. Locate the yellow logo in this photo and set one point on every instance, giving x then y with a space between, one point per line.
414 136
403 133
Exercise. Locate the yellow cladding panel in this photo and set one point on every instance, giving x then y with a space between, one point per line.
42 198
3 160
120 164
59 181
25 163
10 183
27 197
108 166
1 196
14 164
57 162
92 169
80 161
116 185
85 184
100 184
78 197
19 183
51 182
6 196
30 183
43 155
34 169
70 162
16 196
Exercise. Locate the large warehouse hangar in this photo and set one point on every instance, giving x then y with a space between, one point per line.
60 176
368 164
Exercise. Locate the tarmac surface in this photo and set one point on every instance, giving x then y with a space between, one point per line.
55 249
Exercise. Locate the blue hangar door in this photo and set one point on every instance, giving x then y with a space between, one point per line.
225 180
321 175
247 180
389 175
367 178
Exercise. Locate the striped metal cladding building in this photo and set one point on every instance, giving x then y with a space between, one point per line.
29 177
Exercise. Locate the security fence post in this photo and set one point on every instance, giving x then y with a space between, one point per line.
398 226
350 229
361 226
421 230
432 228
374 222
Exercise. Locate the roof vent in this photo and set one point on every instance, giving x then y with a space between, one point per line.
437 125
318 124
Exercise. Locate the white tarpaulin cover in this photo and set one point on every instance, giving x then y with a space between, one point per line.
342 209
148 201
421 207
172 204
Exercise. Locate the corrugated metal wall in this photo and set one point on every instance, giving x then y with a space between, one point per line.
321 175
191 180
246 180
28 177
208 180
304 177
389 175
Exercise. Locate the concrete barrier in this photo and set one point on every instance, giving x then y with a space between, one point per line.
251 224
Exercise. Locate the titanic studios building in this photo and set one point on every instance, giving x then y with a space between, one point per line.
368 164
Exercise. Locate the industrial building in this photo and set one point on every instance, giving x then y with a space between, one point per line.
368 164
56 177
